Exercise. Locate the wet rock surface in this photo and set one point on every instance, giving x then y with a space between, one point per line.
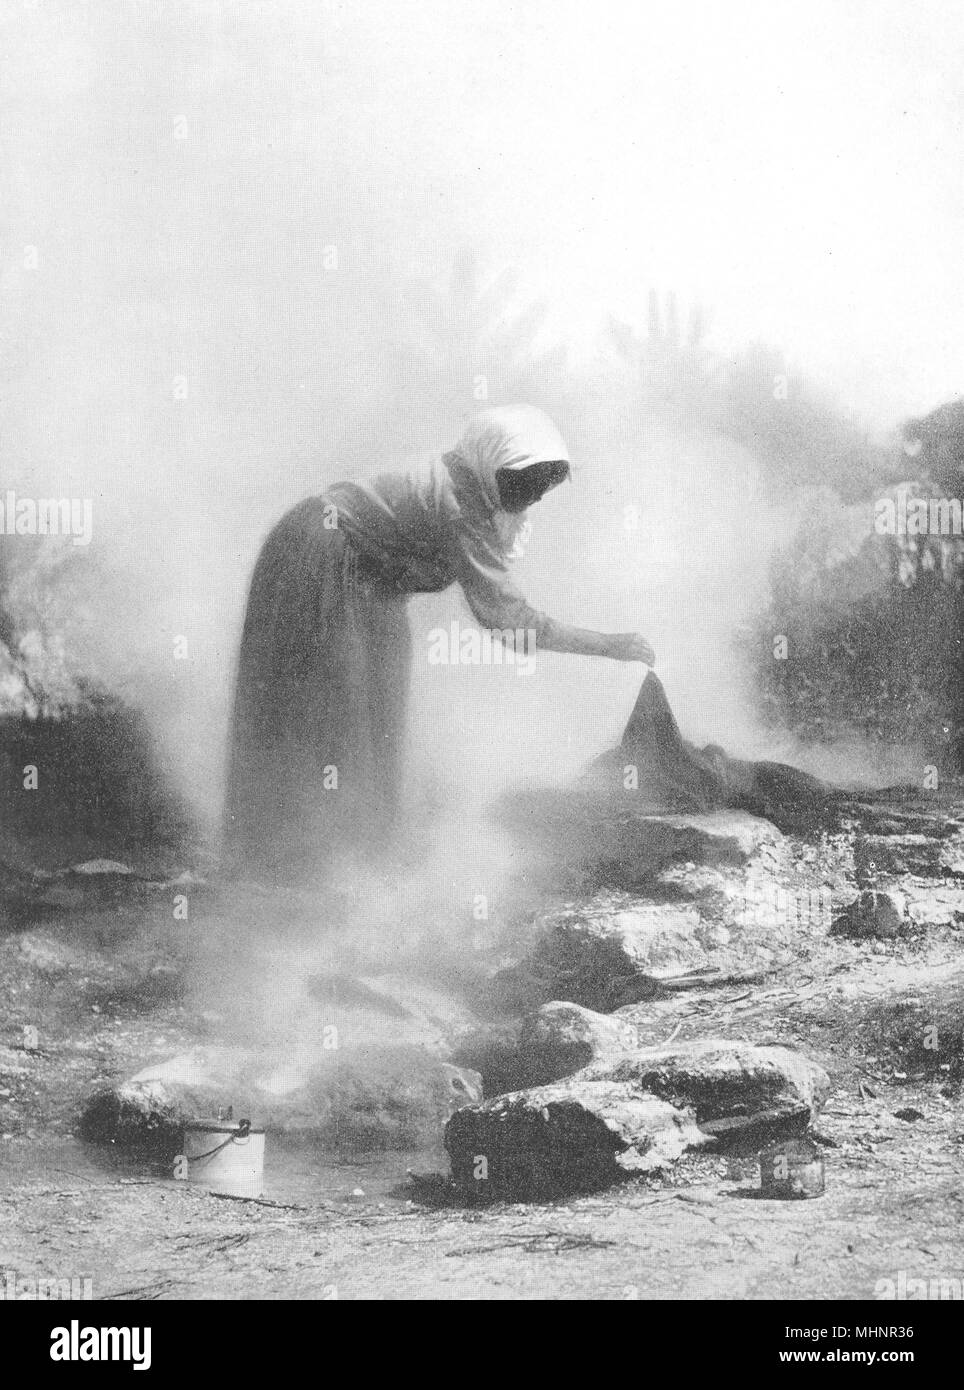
619 837
572 1136
608 1117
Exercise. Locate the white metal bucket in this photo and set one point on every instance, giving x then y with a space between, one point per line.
226 1156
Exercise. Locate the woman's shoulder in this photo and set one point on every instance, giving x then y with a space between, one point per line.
418 492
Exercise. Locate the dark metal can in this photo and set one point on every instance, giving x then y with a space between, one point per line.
792 1170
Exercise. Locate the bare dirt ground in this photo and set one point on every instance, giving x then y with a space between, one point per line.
97 987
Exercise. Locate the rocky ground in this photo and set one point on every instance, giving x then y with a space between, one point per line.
677 997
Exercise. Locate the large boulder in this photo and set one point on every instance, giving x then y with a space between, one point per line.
629 1110
728 1085
562 1038
556 1040
100 791
353 1101
723 837
572 1136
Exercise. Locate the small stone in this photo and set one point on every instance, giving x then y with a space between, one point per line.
874 913
792 1170
713 936
50 956
93 867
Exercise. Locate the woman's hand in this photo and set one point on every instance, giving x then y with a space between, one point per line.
630 646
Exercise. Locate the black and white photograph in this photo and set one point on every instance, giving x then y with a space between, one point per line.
482 663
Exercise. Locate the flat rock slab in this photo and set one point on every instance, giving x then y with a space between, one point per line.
616 836
601 958
614 948
920 855
935 907
923 844
27 898
724 837
728 1085
572 1136
380 1098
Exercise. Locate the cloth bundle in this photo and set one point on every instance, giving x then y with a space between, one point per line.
675 775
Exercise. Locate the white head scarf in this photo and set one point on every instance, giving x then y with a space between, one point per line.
508 436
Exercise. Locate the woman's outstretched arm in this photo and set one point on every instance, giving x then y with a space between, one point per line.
498 605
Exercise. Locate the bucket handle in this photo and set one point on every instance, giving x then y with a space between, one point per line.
244 1129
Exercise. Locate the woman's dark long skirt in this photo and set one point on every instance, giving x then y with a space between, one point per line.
319 714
